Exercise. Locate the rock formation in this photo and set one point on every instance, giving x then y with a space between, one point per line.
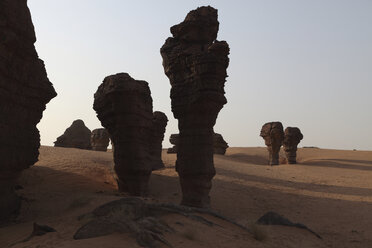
124 107
292 137
273 134
159 123
76 136
99 139
195 63
219 144
24 91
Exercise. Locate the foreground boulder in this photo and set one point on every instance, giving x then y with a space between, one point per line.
219 144
124 107
292 137
99 139
76 136
272 133
24 91
159 124
195 63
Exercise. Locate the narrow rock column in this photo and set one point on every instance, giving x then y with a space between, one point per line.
292 137
24 92
159 124
195 63
273 134
99 139
124 107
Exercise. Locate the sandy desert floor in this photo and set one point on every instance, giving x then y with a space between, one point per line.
330 191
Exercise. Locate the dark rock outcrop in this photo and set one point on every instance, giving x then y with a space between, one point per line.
24 91
99 139
159 123
76 136
292 137
195 63
219 144
124 107
273 134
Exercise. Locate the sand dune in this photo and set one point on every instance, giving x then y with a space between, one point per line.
330 191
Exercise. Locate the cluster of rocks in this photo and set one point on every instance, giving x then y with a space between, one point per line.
24 92
219 144
275 137
124 107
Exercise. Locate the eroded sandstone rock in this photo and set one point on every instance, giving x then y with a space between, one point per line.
76 136
292 137
24 91
124 107
99 139
159 123
219 144
272 133
195 63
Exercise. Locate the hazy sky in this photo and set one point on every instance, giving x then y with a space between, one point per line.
304 63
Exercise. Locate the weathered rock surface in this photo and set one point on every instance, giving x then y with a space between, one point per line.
292 137
76 136
24 91
99 139
159 123
219 144
124 107
195 63
272 133
142 219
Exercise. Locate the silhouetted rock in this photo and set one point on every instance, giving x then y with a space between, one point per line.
173 139
195 63
24 91
292 137
273 135
76 136
124 107
99 139
159 122
219 144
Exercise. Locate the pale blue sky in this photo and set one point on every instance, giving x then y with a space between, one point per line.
305 63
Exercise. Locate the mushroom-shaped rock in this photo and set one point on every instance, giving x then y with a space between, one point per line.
76 136
159 124
24 91
195 63
273 134
124 107
99 139
292 137
219 144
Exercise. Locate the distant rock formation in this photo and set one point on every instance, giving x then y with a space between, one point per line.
195 63
159 122
292 137
24 91
273 134
219 144
124 107
99 139
76 136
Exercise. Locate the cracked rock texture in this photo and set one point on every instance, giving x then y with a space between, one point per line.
195 63
24 92
292 137
159 123
272 133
